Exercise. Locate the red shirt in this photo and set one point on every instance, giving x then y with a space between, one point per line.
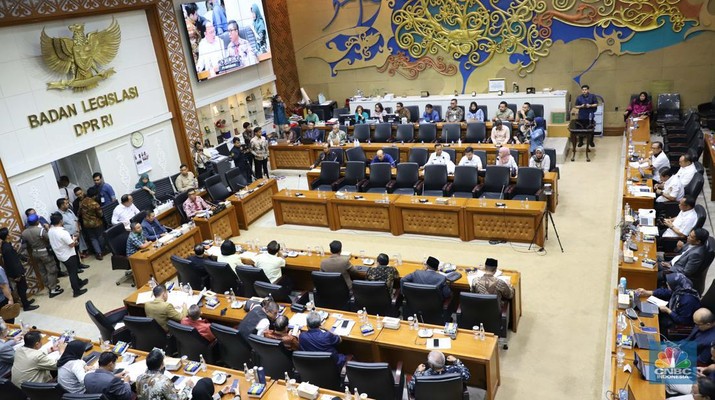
201 325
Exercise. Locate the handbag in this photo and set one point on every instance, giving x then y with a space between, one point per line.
10 311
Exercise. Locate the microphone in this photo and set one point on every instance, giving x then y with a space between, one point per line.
501 193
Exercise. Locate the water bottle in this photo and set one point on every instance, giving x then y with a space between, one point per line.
261 373
620 356
231 296
622 285
203 363
364 315
347 395
526 201
459 141
417 323
356 396
189 290
378 322
481 332
411 322
627 209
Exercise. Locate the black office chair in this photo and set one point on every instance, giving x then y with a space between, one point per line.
339 154
515 154
179 201
451 133
435 179
10 391
116 237
446 386
361 132
233 349
354 175
222 277
465 182
201 179
668 109
692 189
188 273
476 132
407 178
427 133
418 155
216 188
496 180
529 185
142 199
484 309
42 391
452 154
330 290
482 154
394 152
277 292
538 110
356 154
318 368
329 174
512 107
83 396
383 132
424 300
414 113
106 323
236 179
552 161
248 275
172 179
380 176
138 218
405 133
270 354
374 297
376 379
164 189
107 211
146 333
190 343
485 111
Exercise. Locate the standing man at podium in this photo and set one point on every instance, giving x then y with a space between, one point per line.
587 104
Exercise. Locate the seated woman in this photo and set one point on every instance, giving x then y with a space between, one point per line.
540 160
683 301
474 114
500 134
146 184
228 254
380 112
71 369
639 106
505 159
360 115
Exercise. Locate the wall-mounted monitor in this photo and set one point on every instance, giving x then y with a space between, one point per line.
225 35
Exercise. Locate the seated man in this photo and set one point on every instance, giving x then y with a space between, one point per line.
258 319
7 349
703 334
136 240
338 263
32 364
326 155
194 204
104 381
383 272
490 284
337 137
470 159
454 112
525 115
162 311
430 114
504 113
690 258
185 180
669 188
317 339
436 365
703 389
683 223
280 332
193 319
687 169
154 384
124 211
380 156
271 262
313 133
197 262
658 160
430 276
151 228
439 157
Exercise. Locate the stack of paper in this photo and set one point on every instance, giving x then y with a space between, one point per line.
341 330
298 320
133 370
145 297
178 299
658 302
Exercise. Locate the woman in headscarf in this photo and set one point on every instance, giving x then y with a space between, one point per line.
228 254
505 159
259 26
204 390
538 134
146 184
540 160
683 301
71 368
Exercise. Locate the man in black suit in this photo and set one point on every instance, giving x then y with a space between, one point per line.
197 263
430 276
104 380
689 261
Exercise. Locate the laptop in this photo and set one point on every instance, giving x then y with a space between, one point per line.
307 141
646 370
223 149
647 307
645 341
342 118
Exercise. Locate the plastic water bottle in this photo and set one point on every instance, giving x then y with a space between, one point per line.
364 315
347 395
378 322
203 363
152 282
356 396
417 323
627 209
231 296
482 336
411 322
620 356
459 141
622 285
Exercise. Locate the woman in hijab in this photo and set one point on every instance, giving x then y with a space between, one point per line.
683 301
259 26
540 160
538 134
204 390
71 368
146 184
228 254
505 159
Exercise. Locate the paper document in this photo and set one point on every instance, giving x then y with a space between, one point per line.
650 195
178 299
183 380
506 279
133 370
441 343
298 320
145 297
658 302
342 327
648 230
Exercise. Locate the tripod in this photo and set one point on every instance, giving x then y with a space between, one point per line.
548 217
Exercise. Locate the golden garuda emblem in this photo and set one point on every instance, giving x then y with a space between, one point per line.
81 56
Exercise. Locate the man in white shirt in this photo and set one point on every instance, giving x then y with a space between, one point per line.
439 157
66 188
210 51
63 245
683 223
658 160
670 188
71 224
470 159
271 262
124 212
687 169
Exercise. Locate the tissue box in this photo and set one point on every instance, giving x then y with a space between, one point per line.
442 200
367 329
172 364
391 323
307 391
256 390
192 367
624 301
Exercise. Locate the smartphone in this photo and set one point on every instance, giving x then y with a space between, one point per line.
435 343
175 378
345 323
234 385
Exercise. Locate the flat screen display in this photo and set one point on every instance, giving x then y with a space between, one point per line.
225 35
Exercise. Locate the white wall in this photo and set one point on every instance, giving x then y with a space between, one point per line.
36 189
23 92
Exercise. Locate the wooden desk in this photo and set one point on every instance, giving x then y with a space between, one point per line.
637 275
310 209
631 326
514 222
171 218
157 261
224 224
428 218
277 391
365 214
642 389
251 206
641 129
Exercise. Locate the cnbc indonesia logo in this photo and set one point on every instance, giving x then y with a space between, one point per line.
673 363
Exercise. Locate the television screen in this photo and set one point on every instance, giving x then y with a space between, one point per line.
225 35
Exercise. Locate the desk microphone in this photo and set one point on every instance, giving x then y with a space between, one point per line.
501 193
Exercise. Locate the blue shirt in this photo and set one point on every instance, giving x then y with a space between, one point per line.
537 139
703 340
152 230
361 118
133 242
385 158
314 134
106 194
433 116
321 340
585 113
